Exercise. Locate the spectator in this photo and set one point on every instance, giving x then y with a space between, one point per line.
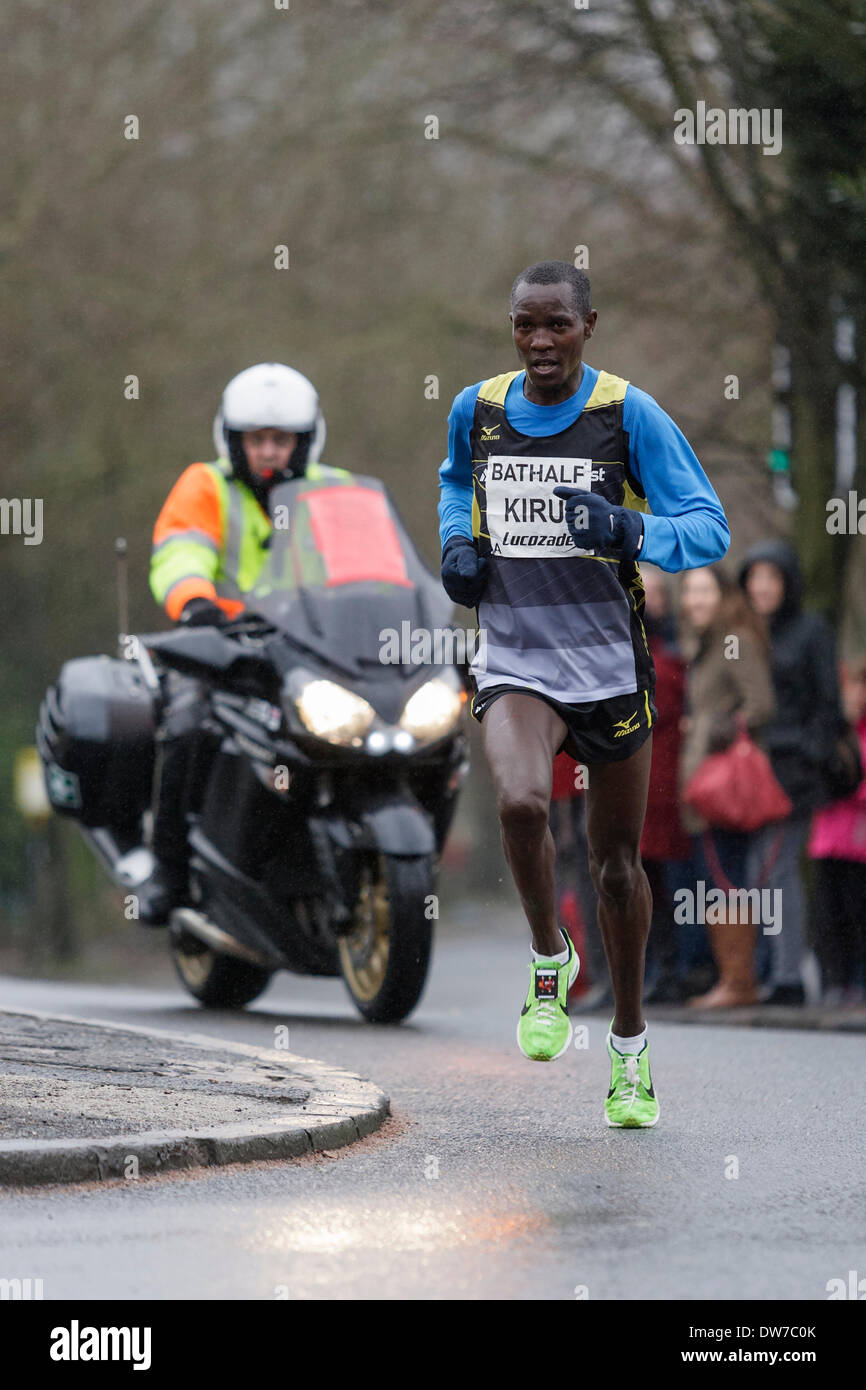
664 842
838 846
729 678
799 740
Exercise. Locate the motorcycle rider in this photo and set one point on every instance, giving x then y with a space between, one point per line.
209 544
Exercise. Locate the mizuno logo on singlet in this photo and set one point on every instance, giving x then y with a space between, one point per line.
489 432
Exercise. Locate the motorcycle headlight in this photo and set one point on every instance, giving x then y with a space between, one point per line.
333 713
433 710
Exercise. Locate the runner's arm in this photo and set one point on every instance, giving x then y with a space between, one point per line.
687 527
455 474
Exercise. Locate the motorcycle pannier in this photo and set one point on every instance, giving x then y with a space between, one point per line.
96 738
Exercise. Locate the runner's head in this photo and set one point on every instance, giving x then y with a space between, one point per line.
551 320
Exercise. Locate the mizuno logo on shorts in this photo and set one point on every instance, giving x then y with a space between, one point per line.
626 726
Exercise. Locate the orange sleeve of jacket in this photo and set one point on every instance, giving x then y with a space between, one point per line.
187 542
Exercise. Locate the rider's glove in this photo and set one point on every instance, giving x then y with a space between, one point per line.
596 524
201 612
464 571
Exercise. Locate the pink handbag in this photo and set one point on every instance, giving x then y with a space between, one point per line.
737 789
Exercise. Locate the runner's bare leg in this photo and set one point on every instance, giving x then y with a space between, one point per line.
521 738
616 796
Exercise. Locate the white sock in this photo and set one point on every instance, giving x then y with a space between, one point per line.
560 959
629 1044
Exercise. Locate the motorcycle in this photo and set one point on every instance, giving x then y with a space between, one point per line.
330 759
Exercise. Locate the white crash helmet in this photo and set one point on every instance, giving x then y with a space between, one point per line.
271 396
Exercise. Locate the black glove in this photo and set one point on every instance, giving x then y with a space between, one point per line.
464 571
605 525
201 612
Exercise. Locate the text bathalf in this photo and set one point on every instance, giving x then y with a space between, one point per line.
541 470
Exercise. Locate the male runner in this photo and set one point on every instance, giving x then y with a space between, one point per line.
549 470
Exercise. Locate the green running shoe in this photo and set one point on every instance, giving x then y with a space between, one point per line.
631 1101
544 1030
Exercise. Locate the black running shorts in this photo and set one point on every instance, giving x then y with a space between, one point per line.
601 731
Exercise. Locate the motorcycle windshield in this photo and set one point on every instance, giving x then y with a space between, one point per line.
342 575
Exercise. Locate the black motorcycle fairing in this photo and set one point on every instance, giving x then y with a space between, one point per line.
342 617
334 591
201 651
271 923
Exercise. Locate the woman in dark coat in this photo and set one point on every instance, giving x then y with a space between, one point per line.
800 740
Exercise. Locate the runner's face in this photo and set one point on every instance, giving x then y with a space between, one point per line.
549 335
268 451
700 598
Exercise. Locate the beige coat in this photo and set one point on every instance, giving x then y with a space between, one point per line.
719 688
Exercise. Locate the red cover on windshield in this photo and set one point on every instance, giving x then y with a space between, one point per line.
355 535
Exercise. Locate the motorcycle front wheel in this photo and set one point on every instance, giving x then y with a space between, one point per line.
385 955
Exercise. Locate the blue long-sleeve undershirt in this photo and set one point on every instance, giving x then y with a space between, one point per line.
687 527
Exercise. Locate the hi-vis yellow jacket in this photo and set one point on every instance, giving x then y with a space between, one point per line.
209 539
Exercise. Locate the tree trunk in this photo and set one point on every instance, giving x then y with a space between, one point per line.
814 378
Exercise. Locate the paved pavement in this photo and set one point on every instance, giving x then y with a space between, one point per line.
80 1101
495 1177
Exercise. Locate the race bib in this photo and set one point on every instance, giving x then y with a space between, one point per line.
524 519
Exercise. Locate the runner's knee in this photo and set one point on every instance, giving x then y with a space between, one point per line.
523 813
613 873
